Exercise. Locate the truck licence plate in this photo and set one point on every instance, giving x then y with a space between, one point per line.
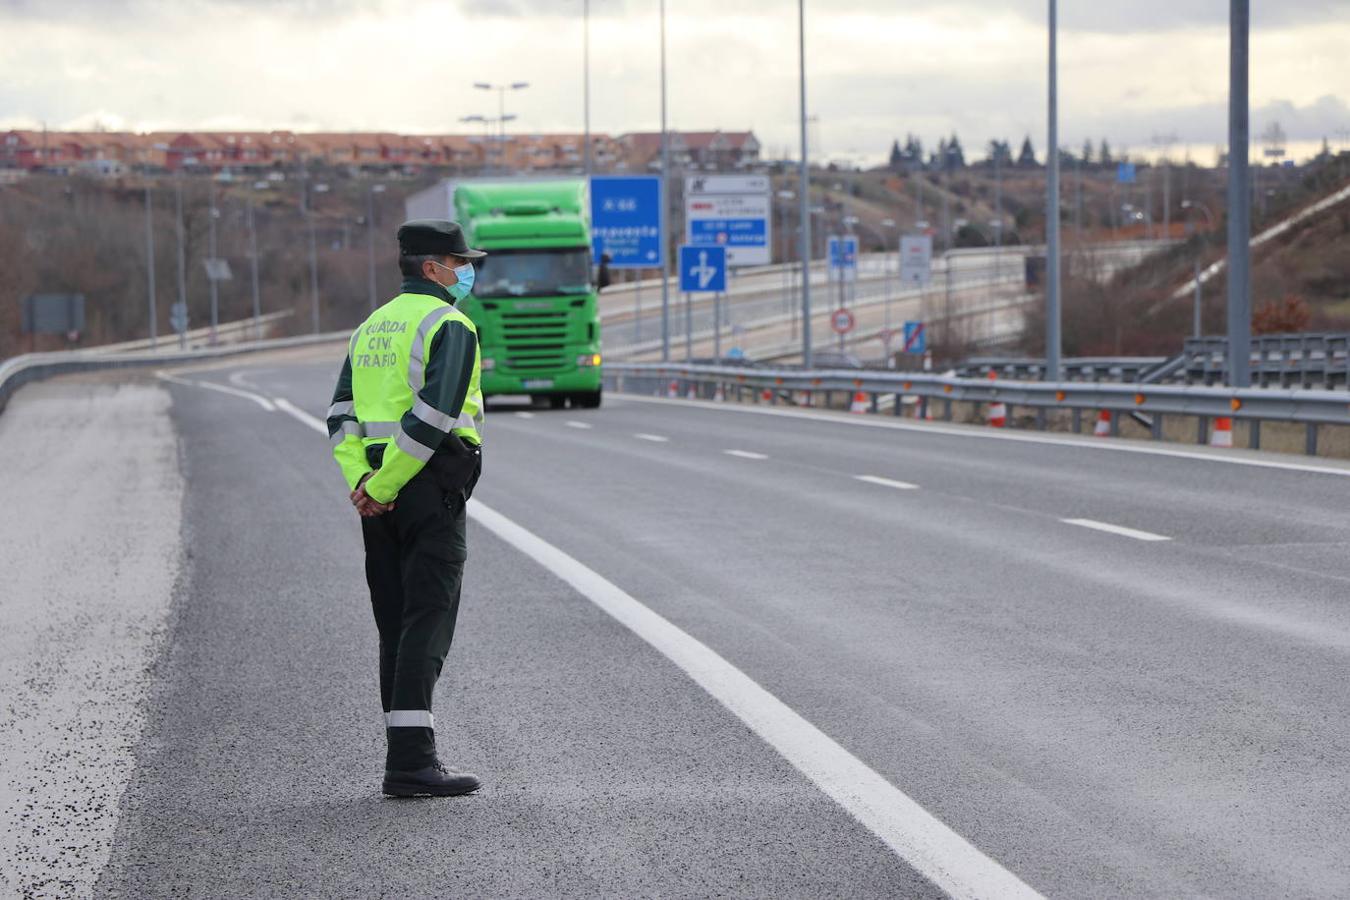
537 382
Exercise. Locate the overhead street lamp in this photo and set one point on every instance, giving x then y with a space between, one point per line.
890 225
1239 197
1052 264
1197 326
488 122
783 244
502 118
804 189
370 236
253 260
665 201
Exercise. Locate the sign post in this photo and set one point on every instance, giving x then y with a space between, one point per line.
626 220
703 270
626 225
842 321
732 211
916 260
916 338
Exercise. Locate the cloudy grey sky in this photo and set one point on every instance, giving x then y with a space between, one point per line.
876 68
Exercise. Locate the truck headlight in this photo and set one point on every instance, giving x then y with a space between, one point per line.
589 359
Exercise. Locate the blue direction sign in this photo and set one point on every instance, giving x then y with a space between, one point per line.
1125 173
844 253
916 338
703 269
626 220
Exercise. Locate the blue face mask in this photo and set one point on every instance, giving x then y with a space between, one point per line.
463 283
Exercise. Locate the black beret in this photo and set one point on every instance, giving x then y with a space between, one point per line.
434 237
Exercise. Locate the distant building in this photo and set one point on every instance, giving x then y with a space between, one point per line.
115 153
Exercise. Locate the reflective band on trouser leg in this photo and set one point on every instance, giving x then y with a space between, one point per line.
409 718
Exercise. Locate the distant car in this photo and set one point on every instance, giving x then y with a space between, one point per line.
830 359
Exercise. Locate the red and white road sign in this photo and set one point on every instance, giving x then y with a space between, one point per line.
842 321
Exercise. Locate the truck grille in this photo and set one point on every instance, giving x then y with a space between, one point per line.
535 341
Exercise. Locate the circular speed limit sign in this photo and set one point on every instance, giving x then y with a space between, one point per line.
842 321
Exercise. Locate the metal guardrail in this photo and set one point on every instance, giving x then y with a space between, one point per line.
20 370
1255 405
1081 368
1281 360
1284 360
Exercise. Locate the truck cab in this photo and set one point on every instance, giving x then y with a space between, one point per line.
534 297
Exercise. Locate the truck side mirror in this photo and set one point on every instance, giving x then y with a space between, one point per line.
602 276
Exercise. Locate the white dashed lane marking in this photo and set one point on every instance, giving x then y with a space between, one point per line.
1116 529
887 482
745 454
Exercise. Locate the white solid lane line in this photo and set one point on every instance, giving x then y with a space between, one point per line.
575 424
654 438
994 434
1116 529
211 386
300 415
914 834
887 482
745 454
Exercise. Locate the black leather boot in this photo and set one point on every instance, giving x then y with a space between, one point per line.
433 781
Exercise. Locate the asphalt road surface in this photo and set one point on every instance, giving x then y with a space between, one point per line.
719 651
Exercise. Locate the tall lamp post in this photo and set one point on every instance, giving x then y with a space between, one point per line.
586 83
314 259
665 202
784 244
1239 199
253 263
370 237
501 90
804 189
212 214
1052 333
893 235
1197 324
150 268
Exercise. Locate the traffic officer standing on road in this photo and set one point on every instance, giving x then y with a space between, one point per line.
406 425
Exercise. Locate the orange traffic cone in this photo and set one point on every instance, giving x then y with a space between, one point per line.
1103 426
719 395
998 415
859 404
673 391
1222 435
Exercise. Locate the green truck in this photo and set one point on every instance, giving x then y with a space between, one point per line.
534 295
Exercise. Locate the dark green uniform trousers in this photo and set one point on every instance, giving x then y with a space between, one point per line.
414 565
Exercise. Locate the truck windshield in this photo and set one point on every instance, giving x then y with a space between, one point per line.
533 273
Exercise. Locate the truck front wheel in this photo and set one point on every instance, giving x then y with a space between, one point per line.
590 400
